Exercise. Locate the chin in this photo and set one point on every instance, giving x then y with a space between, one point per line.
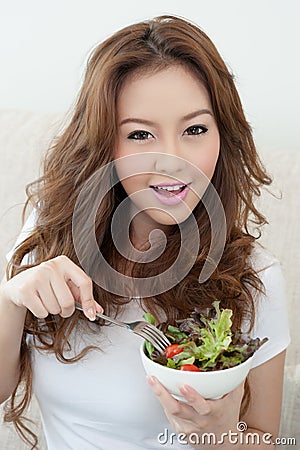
164 218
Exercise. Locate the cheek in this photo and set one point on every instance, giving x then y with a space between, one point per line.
123 146
132 184
207 160
118 151
210 164
127 165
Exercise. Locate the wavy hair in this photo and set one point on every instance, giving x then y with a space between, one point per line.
87 143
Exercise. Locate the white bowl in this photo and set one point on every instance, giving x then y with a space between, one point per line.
211 385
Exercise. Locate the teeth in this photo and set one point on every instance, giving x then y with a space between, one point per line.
170 188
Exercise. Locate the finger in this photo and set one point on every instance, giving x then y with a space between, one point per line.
83 282
74 290
76 294
99 308
48 298
201 405
64 296
36 306
172 406
181 415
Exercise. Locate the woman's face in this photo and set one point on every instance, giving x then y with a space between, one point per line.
166 124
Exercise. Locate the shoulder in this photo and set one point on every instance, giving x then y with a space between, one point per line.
269 270
271 313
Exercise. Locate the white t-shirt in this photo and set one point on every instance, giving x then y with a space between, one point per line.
104 402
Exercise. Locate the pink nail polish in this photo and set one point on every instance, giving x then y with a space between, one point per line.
151 380
186 390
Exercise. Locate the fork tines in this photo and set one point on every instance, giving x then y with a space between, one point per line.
153 340
155 336
160 335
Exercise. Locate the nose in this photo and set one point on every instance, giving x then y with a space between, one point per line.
169 161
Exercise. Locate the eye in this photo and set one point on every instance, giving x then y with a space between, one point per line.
196 130
140 135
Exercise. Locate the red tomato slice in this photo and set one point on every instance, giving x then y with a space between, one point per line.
189 367
173 350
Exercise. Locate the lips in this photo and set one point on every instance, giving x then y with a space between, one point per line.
170 193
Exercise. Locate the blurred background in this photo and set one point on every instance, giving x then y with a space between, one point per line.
44 46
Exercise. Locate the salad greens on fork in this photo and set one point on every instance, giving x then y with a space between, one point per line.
204 342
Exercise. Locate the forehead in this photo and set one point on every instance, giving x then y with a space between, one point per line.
173 88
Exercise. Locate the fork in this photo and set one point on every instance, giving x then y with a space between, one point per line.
142 328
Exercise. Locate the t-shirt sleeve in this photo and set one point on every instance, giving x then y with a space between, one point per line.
271 315
25 232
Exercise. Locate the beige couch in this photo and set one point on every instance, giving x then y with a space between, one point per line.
25 135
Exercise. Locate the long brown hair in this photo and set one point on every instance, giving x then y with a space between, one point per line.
87 144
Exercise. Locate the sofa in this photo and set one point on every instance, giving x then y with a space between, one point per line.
24 136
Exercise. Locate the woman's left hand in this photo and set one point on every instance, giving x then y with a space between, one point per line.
200 415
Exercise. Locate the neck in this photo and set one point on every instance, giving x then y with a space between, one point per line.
141 227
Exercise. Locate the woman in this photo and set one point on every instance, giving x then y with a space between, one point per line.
159 118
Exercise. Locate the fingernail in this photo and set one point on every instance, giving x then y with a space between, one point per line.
151 380
91 314
187 390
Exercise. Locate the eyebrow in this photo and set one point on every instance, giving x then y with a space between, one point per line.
185 118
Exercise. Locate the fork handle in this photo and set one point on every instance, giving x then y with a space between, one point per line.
103 316
115 321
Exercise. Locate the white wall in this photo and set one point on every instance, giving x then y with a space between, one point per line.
44 46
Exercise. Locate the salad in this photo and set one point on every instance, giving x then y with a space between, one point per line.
203 342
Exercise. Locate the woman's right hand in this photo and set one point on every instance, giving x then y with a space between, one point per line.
52 287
